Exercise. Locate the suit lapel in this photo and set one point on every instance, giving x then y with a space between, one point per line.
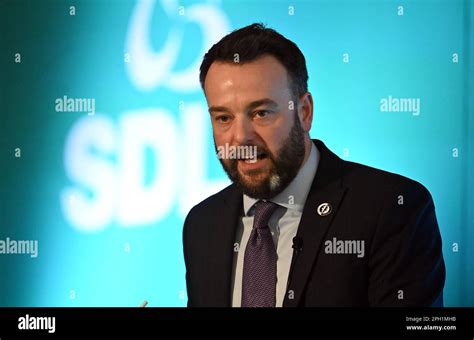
226 220
326 188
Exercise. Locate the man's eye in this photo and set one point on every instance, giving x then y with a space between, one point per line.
262 113
222 119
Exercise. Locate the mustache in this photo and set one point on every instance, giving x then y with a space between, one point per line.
243 151
262 151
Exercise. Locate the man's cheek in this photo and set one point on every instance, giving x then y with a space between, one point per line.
272 140
272 152
228 163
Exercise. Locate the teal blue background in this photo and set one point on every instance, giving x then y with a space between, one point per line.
405 56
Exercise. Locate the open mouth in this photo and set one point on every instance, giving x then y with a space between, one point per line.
260 156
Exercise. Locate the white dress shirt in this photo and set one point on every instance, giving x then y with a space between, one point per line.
283 225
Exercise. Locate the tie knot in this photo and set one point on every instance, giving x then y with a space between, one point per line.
263 212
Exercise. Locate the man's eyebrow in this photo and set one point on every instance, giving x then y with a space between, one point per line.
261 102
250 106
218 109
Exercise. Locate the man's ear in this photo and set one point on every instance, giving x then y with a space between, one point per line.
305 111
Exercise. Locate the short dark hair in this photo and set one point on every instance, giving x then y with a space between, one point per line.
253 41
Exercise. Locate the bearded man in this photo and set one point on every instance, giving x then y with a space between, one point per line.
299 227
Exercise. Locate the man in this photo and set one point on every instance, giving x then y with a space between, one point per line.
299 226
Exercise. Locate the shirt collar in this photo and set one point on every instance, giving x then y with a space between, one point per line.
295 194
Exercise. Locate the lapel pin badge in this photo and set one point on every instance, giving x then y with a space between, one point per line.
324 209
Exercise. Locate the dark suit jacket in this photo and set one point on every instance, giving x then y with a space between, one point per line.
395 216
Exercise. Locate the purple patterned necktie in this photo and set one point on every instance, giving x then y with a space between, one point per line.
260 261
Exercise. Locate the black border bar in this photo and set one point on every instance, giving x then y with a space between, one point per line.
191 322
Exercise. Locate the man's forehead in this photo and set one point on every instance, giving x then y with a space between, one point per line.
250 81
247 105
263 70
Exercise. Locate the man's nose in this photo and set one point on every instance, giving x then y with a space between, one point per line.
242 131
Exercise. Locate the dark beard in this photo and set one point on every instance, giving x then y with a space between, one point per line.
284 167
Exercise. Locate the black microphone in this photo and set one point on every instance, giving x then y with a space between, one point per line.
297 248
